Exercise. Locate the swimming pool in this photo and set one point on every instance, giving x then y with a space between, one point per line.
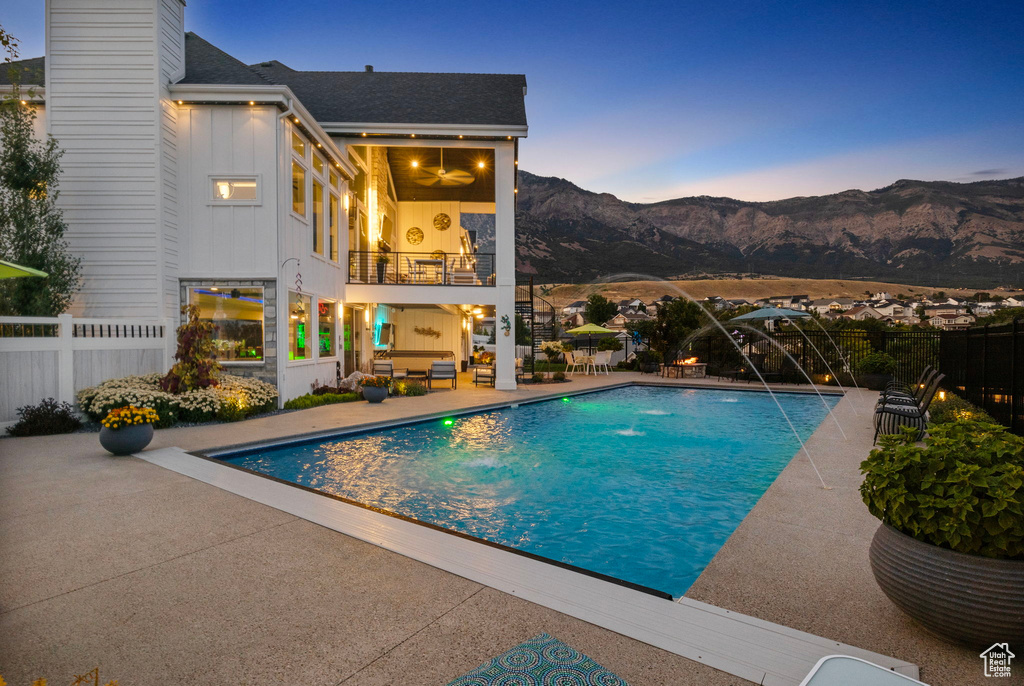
642 484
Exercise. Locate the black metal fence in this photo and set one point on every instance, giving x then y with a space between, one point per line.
985 365
421 268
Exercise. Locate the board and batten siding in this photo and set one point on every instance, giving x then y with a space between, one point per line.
228 240
108 65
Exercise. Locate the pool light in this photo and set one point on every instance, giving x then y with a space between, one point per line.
449 422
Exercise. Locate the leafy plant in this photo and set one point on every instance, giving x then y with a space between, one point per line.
537 378
877 363
558 376
375 381
954 407
962 490
304 402
611 343
409 388
196 366
599 309
45 419
231 410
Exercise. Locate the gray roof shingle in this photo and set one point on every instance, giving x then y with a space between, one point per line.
31 72
373 97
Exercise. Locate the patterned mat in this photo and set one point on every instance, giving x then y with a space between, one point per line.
541 661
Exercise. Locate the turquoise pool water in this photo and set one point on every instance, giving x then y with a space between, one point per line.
642 484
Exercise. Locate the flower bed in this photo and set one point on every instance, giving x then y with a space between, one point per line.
233 395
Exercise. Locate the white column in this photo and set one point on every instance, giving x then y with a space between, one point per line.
65 360
505 265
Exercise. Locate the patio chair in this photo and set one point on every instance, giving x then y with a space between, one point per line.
603 359
891 417
898 389
520 370
442 370
483 374
571 364
387 368
417 272
912 397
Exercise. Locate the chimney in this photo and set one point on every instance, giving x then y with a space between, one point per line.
369 68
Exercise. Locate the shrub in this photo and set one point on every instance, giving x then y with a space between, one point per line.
409 388
252 395
611 343
558 376
954 407
196 367
537 378
45 419
231 411
304 402
877 363
962 490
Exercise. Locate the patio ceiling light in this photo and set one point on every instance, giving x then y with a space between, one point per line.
480 165
477 310
415 163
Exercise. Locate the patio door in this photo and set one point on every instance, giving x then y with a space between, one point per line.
349 337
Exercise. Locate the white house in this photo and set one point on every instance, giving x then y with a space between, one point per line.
315 217
951 322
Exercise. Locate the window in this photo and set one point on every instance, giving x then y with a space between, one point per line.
298 327
334 180
298 189
332 243
299 145
237 316
318 218
235 190
326 316
318 164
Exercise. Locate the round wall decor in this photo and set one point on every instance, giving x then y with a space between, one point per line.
414 235
438 254
442 221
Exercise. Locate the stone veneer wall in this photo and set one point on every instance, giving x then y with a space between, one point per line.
268 370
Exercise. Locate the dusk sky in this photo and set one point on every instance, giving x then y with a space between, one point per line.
654 100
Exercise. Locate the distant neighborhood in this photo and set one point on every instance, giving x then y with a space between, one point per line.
949 314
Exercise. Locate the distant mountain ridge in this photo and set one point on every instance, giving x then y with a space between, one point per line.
924 232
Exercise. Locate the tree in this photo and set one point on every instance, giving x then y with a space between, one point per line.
524 334
599 309
31 226
939 295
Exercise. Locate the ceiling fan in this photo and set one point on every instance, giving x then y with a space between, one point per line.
439 176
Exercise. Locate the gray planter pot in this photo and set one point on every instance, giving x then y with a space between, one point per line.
375 394
874 382
127 440
968 599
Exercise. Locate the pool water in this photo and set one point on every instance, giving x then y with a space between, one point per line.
639 483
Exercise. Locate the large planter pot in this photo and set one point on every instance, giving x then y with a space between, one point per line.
875 382
968 599
381 266
375 394
126 440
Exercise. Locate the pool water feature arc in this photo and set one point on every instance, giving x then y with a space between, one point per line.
640 484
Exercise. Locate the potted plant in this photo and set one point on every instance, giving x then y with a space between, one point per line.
950 551
875 370
127 430
382 265
648 361
375 388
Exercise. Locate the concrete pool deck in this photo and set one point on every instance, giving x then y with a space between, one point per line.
158 578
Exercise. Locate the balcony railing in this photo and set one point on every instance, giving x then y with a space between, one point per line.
421 268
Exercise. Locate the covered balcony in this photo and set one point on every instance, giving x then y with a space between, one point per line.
425 216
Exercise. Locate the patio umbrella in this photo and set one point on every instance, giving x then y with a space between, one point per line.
9 270
590 330
769 313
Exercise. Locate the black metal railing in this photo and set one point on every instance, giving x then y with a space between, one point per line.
985 365
421 268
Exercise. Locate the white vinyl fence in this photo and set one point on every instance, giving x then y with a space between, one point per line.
55 357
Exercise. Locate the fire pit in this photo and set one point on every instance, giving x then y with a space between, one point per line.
687 368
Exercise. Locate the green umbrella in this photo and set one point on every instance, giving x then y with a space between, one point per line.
590 330
9 270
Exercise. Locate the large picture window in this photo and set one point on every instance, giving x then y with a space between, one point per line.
237 316
318 218
299 343
298 189
327 318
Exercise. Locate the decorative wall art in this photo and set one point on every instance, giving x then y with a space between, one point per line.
427 331
506 325
414 235
442 222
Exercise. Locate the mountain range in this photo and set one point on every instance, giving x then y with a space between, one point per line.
933 233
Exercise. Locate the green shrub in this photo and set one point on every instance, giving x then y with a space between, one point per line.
231 411
954 407
877 363
304 402
409 388
537 378
45 419
558 376
962 490
611 343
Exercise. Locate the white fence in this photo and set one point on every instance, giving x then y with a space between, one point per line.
55 357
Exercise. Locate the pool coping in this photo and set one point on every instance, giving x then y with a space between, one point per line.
753 649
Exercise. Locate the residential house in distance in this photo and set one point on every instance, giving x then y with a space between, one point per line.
951 322
861 312
827 305
316 218
789 302
575 307
633 304
620 320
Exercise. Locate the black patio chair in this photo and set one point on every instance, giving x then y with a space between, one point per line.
890 418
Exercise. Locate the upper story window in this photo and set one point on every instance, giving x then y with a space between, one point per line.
318 164
318 218
237 190
298 189
299 145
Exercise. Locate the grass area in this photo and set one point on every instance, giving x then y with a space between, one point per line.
751 289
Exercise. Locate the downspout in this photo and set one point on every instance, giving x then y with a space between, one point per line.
282 293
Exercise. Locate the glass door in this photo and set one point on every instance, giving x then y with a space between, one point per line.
348 335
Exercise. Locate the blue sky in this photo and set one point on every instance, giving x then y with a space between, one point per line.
653 100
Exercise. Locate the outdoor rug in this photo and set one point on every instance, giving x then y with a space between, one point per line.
541 661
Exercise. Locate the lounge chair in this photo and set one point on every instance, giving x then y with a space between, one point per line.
442 370
891 417
912 397
387 368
